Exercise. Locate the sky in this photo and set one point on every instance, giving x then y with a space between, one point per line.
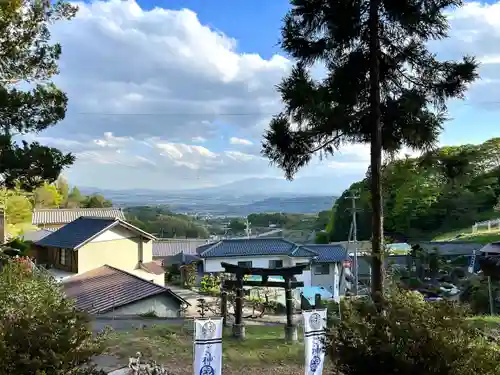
176 94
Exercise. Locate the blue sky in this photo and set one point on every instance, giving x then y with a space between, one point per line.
147 101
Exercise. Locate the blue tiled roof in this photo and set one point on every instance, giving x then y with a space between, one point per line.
304 252
328 253
75 233
202 248
250 247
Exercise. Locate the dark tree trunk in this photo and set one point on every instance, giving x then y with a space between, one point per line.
376 154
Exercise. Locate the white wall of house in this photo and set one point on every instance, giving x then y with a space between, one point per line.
306 278
320 278
213 264
162 305
143 274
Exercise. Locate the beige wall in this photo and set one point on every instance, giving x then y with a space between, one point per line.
121 253
157 279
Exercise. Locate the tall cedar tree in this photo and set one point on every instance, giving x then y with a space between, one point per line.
382 86
27 56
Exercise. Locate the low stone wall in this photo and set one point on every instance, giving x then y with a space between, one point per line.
128 323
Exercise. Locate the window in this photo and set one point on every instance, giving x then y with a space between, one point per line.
275 264
63 257
322 269
245 264
305 264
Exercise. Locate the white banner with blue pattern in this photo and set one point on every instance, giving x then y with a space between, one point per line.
207 347
314 340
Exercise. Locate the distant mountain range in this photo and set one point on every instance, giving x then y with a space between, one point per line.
268 186
236 199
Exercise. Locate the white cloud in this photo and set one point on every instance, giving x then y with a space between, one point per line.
240 141
158 83
198 140
159 72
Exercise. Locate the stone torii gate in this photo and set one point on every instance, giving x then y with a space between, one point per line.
287 273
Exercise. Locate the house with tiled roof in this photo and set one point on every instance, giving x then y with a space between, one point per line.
55 218
109 291
451 249
177 250
325 262
88 243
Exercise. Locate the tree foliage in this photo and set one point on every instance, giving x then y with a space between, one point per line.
40 330
411 337
47 196
164 223
96 201
444 190
27 55
18 209
381 86
475 293
237 225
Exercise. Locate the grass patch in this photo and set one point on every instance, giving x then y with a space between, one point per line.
486 321
263 348
483 237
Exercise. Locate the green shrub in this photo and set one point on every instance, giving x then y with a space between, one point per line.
40 331
210 284
475 294
409 337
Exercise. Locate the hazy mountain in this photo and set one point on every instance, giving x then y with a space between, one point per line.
274 187
222 201
254 187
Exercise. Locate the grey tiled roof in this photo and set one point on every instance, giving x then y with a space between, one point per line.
35 235
450 248
172 246
493 247
104 288
180 258
365 261
67 215
328 253
83 229
254 247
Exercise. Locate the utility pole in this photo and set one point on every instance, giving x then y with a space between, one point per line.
353 236
247 227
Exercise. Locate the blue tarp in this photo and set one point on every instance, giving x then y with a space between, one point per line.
310 291
259 278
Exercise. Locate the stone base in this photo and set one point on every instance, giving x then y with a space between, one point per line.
291 333
239 331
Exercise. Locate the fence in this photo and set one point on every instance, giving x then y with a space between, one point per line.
487 225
